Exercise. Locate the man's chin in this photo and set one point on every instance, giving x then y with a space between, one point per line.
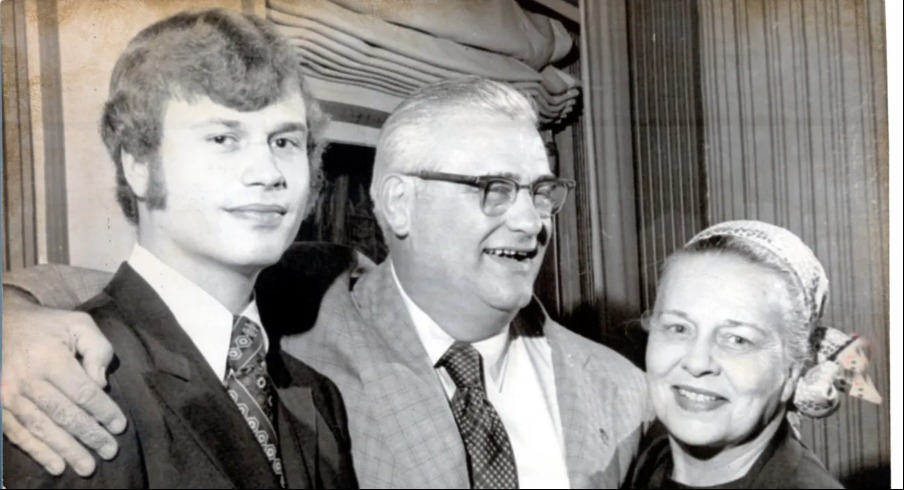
256 260
512 301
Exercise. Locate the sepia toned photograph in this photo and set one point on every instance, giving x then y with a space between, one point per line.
445 244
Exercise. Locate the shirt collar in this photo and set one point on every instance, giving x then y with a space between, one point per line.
204 319
436 341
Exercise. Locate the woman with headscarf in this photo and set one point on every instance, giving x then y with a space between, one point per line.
734 354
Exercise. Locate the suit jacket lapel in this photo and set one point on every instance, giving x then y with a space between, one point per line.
296 424
184 384
298 441
416 408
583 394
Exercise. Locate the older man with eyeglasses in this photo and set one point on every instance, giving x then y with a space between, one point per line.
453 374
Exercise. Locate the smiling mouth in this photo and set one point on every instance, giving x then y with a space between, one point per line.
697 400
512 254
697 397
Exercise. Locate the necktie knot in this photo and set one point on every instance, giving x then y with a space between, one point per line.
246 346
464 364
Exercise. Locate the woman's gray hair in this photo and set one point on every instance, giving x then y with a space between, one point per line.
408 139
781 251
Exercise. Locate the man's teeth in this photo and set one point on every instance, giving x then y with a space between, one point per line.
697 397
510 254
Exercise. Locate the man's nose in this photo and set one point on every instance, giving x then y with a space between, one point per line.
262 167
523 215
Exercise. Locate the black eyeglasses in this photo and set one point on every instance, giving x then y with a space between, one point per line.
499 193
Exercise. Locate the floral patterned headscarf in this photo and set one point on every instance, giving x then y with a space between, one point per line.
841 360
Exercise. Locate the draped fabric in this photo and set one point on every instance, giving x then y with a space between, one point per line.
795 134
357 52
492 25
589 280
666 126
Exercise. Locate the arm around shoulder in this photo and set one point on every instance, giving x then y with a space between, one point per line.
56 286
48 394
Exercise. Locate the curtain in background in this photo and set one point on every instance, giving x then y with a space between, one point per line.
597 292
759 109
666 125
796 135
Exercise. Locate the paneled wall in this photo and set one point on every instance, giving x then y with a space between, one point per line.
796 135
19 222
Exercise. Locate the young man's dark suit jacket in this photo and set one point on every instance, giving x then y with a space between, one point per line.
184 431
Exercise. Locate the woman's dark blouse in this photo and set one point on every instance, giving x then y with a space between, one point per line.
785 463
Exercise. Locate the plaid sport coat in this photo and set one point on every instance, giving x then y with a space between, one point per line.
402 428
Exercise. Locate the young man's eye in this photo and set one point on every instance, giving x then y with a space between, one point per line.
222 139
287 144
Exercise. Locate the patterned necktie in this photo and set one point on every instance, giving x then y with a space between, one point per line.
250 387
490 458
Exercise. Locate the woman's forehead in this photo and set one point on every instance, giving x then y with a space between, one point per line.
713 286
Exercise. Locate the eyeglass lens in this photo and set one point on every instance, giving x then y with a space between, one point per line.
499 195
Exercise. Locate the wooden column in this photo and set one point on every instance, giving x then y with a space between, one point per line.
19 225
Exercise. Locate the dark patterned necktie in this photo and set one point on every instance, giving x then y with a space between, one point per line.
250 387
491 461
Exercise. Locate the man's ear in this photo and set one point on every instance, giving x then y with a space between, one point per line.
137 174
396 199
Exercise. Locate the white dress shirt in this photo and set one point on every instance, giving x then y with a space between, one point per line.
206 321
521 386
